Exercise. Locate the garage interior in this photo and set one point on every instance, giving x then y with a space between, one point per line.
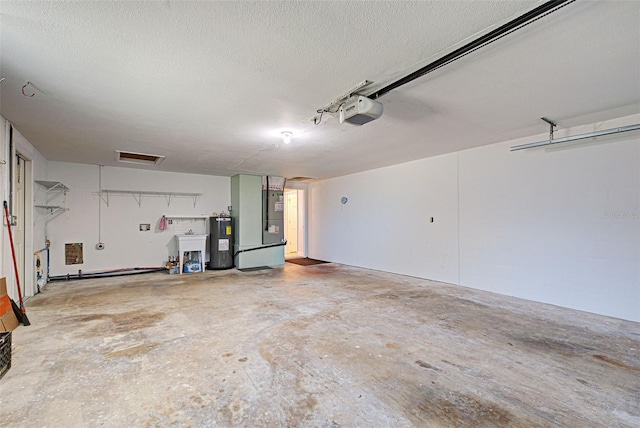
468 173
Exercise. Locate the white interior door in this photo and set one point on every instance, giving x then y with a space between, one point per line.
291 201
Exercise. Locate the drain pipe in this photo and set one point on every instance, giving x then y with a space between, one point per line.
107 273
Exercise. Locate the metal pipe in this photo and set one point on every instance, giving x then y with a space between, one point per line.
39 275
108 273
11 162
492 36
577 137
280 244
48 258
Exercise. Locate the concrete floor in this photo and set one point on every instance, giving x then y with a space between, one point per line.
313 346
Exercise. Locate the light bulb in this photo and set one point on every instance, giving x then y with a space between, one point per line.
286 136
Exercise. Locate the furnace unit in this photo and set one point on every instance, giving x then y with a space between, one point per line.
272 210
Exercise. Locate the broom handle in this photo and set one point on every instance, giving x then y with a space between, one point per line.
13 253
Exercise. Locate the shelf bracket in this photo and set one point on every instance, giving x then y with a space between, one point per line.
53 213
104 195
57 193
138 198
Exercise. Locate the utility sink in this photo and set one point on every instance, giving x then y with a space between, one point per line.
191 242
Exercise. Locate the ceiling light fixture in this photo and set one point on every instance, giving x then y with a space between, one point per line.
286 136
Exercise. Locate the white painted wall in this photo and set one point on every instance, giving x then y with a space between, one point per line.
558 225
385 224
125 245
35 232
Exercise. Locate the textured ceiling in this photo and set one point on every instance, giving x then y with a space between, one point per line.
210 85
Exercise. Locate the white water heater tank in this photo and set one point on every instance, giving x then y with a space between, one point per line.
360 110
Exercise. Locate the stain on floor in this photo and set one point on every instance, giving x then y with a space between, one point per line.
465 410
134 351
615 363
317 346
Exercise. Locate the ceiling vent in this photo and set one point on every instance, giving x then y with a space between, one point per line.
302 179
138 158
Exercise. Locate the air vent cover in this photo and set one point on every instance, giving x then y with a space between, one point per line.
139 158
300 178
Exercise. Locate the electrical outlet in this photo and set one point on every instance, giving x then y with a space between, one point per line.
145 227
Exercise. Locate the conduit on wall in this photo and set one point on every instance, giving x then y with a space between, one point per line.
100 244
577 137
108 273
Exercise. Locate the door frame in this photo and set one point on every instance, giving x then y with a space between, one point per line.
303 215
27 270
289 196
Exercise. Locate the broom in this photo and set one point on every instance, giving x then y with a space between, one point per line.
23 313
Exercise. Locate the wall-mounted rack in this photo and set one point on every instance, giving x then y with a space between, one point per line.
138 194
53 189
53 209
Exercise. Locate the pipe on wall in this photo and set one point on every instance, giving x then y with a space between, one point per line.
108 273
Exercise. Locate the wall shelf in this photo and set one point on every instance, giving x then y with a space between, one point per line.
53 189
138 194
54 211
51 208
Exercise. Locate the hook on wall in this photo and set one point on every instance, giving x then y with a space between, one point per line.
23 93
